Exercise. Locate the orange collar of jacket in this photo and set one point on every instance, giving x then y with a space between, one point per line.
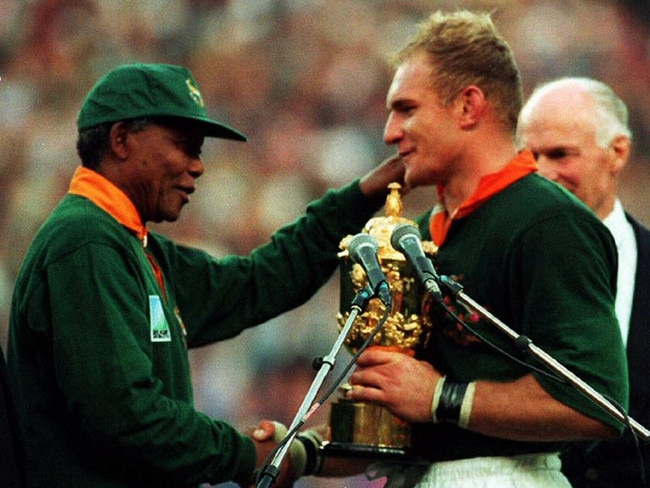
103 193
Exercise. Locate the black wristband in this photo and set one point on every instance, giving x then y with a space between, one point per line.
313 464
451 401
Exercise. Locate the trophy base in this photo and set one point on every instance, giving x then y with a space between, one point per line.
348 450
359 429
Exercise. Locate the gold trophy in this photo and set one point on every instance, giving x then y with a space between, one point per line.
358 428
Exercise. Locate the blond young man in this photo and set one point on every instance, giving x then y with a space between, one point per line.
480 417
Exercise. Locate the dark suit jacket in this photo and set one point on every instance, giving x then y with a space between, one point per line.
615 464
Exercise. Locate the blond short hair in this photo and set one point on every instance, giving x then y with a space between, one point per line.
467 49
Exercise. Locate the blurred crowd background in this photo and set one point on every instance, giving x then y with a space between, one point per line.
306 81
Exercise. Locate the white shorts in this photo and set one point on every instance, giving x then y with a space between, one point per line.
524 471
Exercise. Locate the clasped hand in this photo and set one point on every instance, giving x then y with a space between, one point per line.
397 381
266 435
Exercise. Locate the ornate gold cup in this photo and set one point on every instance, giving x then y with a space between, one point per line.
358 428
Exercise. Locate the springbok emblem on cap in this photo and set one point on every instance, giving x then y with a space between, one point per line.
195 93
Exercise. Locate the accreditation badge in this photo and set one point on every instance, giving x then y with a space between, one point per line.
157 322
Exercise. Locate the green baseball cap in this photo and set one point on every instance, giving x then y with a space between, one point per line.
149 90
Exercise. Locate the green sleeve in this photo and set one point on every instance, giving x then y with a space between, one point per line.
219 298
568 287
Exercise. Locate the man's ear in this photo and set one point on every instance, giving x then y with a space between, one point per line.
471 103
118 140
619 148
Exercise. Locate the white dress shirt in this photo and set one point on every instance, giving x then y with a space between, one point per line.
626 245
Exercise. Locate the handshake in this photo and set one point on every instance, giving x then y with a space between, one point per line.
303 459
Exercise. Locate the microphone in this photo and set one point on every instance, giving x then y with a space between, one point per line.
406 239
363 251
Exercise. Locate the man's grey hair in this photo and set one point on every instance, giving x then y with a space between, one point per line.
612 118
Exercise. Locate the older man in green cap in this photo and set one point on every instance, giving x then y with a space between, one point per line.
104 310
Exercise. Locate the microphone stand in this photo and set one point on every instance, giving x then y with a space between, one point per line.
526 344
272 470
